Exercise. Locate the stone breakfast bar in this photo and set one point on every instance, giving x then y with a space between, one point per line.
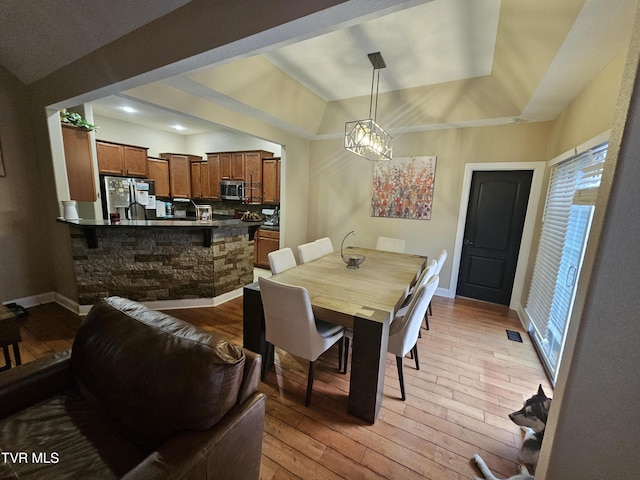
155 260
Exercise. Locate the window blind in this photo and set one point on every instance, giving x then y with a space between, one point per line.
573 187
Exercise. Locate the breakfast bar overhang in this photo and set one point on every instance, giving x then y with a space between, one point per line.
155 260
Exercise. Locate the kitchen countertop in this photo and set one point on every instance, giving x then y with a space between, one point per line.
90 227
158 223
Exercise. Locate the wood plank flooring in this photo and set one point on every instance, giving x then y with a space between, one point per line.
471 376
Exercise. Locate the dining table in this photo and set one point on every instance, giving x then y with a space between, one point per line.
364 299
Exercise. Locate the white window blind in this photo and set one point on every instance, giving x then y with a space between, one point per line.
573 187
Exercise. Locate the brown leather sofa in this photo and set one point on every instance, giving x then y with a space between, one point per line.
141 395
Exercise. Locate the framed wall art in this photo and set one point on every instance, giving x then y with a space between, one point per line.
403 188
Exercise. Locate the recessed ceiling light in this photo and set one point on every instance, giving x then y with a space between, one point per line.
178 127
128 109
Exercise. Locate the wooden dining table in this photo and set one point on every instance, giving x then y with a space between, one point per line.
363 299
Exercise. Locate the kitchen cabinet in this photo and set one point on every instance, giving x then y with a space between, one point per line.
253 177
264 242
159 172
271 181
231 166
119 159
213 163
204 180
242 165
79 164
196 181
180 173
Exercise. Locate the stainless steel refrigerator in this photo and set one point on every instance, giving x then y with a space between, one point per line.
132 198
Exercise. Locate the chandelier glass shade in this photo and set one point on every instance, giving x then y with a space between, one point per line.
365 137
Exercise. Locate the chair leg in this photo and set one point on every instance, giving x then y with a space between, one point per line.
401 377
429 309
415 356
340 348
16 353
346 355
7 358
268 353
312 368
426 321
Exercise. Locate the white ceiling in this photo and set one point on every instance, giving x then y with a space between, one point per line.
429 42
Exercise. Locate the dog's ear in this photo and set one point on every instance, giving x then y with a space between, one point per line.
541 391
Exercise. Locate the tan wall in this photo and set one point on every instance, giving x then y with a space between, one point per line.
591 113
340 184
25 255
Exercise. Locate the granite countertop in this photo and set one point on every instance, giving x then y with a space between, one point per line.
157 223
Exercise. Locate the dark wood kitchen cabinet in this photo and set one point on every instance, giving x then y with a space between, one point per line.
271 181
159 172
264 242
79 164
196 180
119 159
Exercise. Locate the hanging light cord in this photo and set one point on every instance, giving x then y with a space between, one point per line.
373 80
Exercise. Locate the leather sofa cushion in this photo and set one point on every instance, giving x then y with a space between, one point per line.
153 374
65 438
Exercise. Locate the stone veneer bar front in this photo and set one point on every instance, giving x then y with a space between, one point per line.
160 260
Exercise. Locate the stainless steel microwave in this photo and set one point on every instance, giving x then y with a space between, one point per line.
232 189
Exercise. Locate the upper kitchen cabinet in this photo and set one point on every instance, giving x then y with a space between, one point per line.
119 159
79 163
214 171
231 166
253 175
159 173
196 180
180 173
271 181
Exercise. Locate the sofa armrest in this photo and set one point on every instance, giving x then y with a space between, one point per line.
231 450
28 384
251 379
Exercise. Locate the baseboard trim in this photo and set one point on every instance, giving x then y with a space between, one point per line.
34 300
82 310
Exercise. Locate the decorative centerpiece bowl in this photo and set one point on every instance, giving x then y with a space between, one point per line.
353 260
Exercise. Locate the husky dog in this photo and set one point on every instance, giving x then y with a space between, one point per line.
533 420
523 475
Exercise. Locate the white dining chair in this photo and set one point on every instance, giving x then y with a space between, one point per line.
424 276
281 260
442 256
326 247
308 252
403 333
390 244
290 325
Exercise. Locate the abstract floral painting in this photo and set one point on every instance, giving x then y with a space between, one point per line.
403 188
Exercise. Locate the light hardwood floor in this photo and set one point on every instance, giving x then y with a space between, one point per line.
471 376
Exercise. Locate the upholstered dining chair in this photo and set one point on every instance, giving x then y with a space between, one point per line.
423 277
403 333
390 244
442 256
308 252
290 325
326 247
281 260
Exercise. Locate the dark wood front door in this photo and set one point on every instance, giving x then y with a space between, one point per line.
495 219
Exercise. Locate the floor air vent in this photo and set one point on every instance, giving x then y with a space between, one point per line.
514 336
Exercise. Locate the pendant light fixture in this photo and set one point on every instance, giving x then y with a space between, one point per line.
365 137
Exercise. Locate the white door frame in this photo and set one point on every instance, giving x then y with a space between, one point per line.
538 169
